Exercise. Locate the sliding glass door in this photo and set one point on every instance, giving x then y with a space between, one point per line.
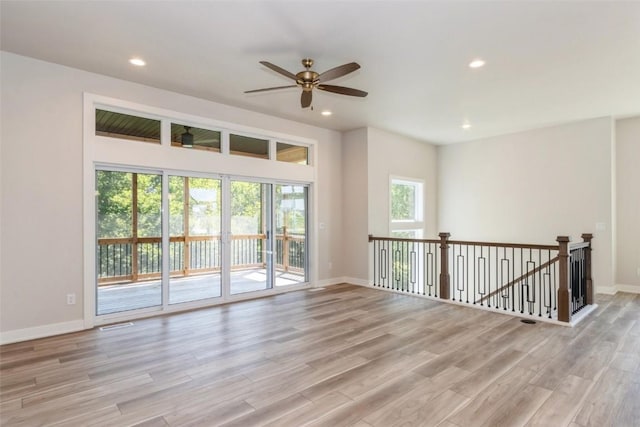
129 241
221 236
291 234
251 253
195 250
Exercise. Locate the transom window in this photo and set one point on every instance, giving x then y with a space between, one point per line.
126 126
248 146
193 137
292 153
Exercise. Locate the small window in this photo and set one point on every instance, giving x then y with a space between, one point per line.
196 138
125 126
406 200
247 146
406 210
292 153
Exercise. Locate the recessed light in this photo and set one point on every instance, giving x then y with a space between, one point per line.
137 62
326 113
465 126
476 63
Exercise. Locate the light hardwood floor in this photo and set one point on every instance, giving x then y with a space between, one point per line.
344 356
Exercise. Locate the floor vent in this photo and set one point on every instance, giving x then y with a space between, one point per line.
116 326
316 289
528 321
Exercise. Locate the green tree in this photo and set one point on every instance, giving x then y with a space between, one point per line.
114 204
149 205
246 207
403 200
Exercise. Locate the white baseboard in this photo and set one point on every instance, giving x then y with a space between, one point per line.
607 290
329 282
341 280
612 290
354 281
26 334
632 289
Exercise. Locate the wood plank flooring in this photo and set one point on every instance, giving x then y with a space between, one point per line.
343 356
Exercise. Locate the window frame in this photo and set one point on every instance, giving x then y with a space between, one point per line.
123 154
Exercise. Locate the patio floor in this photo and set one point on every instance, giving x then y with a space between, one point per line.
131 296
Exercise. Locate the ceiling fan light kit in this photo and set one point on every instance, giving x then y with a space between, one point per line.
187 138
309 80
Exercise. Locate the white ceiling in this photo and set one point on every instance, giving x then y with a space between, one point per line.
547 62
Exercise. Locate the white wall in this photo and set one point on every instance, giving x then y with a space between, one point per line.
395 155
41 206
628 204
355 205
370 157
532 186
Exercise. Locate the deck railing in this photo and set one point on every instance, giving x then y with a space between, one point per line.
118 263
551 281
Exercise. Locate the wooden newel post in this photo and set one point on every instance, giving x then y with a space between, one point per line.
587 238
444 265
564 297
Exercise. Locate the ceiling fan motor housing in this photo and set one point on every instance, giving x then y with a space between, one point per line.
307 79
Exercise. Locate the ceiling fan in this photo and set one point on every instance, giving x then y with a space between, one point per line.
309 80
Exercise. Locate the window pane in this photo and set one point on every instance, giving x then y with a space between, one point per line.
251 264
247 146
115 199
195 248
176 205
292 153
202 139
124 126
291 235
407 234
149 205
403 202
129 241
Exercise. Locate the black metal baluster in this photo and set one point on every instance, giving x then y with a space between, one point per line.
467 275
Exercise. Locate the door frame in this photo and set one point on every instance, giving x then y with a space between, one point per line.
107 152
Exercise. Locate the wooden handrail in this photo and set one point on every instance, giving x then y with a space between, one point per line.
203 238
468 243
505 245
401 239
513 282
186 270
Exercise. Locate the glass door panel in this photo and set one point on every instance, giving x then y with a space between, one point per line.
291 234
194 243
250 242
129 241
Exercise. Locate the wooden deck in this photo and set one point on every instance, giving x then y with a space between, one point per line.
117 298
343 356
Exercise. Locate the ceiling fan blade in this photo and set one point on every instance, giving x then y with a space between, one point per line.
343 90
340 71
279 70
305 99
269 88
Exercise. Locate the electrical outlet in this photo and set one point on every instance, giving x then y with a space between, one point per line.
71 299
638 271
331 266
